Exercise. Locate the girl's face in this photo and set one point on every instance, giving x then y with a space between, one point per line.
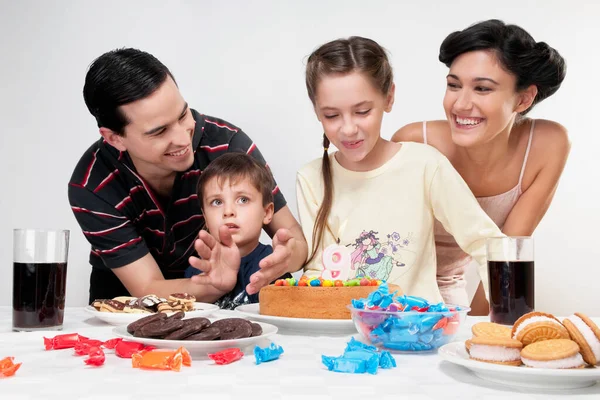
351 109
480 100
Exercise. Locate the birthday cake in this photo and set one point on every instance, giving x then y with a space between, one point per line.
315 298
319 297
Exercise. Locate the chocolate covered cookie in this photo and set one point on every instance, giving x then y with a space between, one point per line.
233 328
190 327
210 333
132 327
256 329
159 329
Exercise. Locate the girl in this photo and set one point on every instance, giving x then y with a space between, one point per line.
378 197
511 163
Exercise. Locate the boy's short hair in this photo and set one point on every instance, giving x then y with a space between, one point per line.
235 166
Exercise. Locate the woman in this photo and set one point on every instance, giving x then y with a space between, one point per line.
512 163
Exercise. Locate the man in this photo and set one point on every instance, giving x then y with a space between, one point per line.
134 191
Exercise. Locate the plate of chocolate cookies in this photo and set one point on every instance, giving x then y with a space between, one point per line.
125 309
199 335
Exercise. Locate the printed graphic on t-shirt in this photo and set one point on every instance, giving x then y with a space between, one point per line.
376 258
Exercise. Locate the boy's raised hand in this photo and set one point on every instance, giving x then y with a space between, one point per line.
220 261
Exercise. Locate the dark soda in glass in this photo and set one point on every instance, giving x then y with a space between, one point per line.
38 295
512 290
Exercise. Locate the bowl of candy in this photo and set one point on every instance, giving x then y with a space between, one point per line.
405 323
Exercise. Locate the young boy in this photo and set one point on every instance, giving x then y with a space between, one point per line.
235 191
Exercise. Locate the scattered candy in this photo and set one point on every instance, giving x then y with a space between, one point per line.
8 367
268 353
162 359
125 349
82 348
95 357
65 341
359 358
226 356
111 343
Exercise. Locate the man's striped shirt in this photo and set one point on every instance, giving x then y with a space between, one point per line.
122 217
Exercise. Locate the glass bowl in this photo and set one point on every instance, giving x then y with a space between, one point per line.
410 331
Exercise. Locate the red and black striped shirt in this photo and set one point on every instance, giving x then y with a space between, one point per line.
123 219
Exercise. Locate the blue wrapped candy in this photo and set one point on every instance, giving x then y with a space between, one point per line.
381 297
354 344
386 361
412 301
359 358
439 307
352 365
359 304
268 353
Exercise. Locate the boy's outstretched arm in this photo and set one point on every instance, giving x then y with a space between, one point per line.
220 261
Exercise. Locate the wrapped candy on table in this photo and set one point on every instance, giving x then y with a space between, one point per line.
354 344
64 341
386 361
82 348
162 359
268 353
226 356
8 367
126 349
359 358
352 364
95 357
111 343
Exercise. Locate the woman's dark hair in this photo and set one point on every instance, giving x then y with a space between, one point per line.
120 77
342 56
531 62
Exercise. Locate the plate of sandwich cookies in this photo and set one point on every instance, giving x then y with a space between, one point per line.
538 351
126 309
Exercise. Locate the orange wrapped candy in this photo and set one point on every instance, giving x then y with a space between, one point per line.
7 367
162 359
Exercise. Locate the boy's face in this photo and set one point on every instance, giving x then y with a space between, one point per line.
239 206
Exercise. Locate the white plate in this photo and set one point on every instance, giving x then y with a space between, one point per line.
537 378
200 310
300 325
200 348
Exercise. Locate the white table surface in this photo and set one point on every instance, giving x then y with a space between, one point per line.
298 374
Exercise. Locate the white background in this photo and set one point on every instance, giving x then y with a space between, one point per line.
244 62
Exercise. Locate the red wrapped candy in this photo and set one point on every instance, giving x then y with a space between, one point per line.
95 357
82 348
125 349
111 343
226 356
66 341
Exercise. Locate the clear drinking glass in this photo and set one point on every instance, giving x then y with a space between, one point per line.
39 278
511 278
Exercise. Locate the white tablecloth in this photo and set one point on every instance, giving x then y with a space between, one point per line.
298 374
